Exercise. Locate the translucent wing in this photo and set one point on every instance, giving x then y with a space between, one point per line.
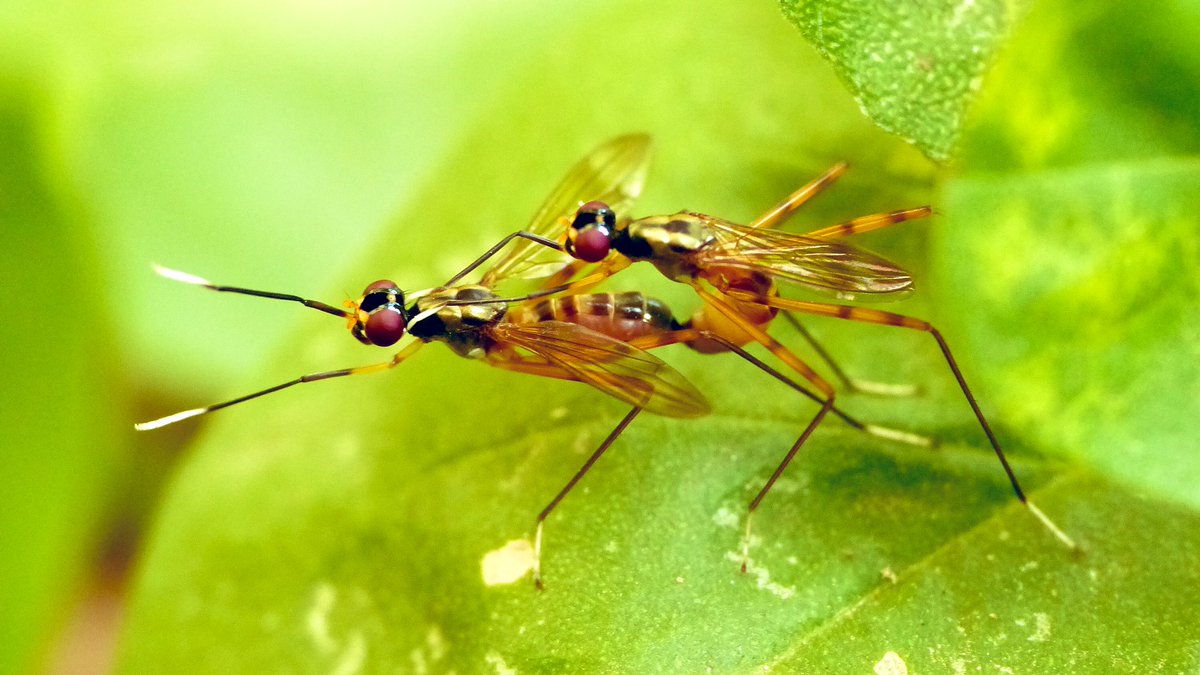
816 263
613 367
612 173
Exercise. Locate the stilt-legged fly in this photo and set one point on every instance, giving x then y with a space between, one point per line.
591 339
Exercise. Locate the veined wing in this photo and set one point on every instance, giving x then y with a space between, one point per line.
612 173
606 363
820 264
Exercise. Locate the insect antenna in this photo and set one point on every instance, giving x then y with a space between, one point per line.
183 415
176 275
314 377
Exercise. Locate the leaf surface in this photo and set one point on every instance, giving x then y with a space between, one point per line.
914 67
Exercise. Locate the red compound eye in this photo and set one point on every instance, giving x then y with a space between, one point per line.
594 206
592 245
385 327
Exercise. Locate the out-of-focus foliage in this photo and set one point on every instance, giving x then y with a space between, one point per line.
61 439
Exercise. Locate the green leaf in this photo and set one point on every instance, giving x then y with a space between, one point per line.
345 525
914 67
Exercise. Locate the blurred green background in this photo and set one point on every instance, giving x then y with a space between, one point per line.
313 147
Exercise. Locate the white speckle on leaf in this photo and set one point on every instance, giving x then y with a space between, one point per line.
611 546
417 658
891 664
435 643
889 574
1041 632
496 661
959 666
348 447
583 443
432 651
762 577
960 12
350 659
1031 565
679 580
558 413
507 563
318 618
726 517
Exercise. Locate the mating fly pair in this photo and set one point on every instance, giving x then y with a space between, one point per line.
601 339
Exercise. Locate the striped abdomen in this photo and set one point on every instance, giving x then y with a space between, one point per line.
624 316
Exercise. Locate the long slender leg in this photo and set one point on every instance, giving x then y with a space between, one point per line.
875 221
851 385
691 334
784 209
875 316
534 366
541 519
792 361
315 377
685 335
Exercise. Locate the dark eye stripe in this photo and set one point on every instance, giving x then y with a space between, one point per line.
374 300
